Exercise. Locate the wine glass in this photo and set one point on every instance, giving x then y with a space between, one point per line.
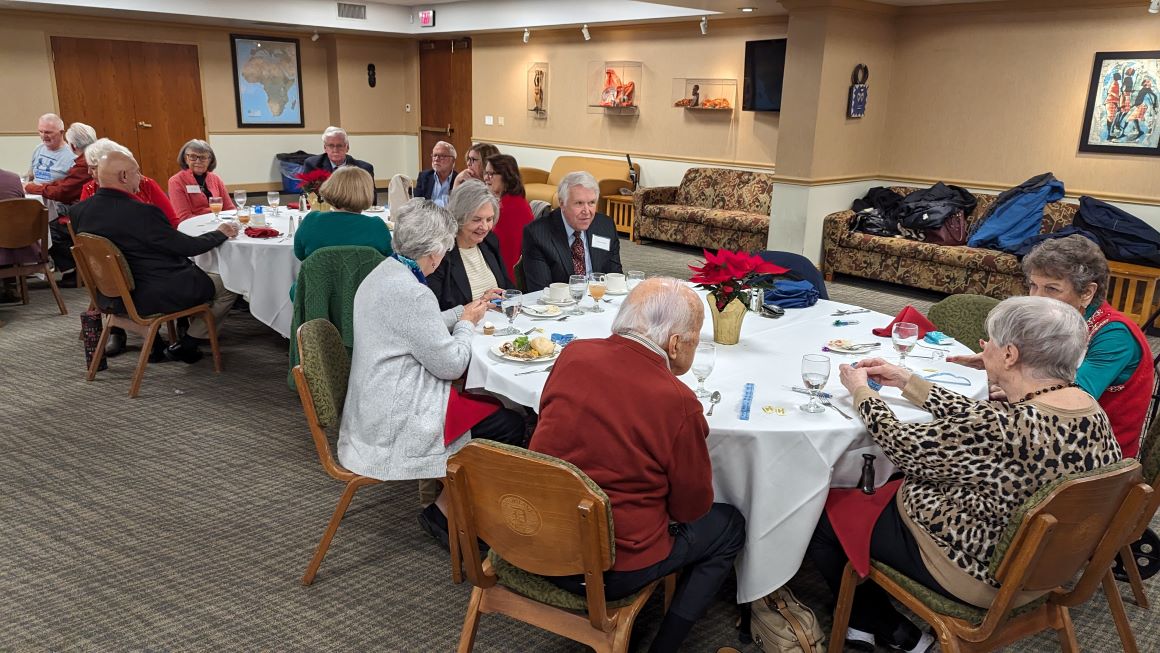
240 198
577 287
815 373
905 337
243 215
596 287
215 205
634 279
703 361
274 198
511 303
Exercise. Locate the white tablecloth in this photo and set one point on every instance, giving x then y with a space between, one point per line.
260 269
775 469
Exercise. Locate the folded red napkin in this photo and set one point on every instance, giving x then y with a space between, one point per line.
292 205
262 232
853 514
465 411
908 314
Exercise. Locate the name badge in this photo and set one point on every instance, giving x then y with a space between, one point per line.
193 188
600 242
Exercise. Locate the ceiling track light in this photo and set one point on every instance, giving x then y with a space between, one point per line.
705 24
588 37
527 35
1154 8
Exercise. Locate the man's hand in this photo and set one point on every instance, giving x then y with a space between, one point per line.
229 229
33 188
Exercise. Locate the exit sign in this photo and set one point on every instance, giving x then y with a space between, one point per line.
427 18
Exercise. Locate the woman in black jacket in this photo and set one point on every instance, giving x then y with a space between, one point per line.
473 269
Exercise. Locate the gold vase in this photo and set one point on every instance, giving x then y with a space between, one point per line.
727 323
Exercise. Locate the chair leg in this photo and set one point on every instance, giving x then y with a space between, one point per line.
1066 631
55 290
211 325
1137 583
842 609
1116 607
23 289
458 559
143 359
99 354
470 622
331 528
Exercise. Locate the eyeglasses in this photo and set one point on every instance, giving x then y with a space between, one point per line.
489 174
473 159
335 146
442 156
196 157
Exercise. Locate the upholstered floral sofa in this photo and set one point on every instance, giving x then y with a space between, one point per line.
713 207
943 268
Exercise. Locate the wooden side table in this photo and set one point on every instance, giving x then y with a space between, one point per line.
1132 290
623 213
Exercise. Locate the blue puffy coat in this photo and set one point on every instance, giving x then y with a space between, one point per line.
1017 214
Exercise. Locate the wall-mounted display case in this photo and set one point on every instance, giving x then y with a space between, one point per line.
704 94
614 86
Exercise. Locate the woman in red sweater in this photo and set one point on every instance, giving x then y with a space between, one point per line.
502 176
191 188
150 192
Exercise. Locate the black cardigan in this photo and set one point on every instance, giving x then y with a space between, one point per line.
449 280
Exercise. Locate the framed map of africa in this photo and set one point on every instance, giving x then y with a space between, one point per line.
267 81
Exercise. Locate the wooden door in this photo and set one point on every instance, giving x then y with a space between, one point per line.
145 96
445 97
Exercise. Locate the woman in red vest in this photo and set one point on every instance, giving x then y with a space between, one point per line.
1117 367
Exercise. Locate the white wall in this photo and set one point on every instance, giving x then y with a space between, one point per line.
16 152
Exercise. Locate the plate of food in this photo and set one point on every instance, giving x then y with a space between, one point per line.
549 310
376 209
843 346
523 349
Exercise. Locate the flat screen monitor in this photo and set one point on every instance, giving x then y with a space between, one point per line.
764 70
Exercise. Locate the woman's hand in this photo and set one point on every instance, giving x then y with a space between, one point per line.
464 175
852 377
884 372
973 361
474 311
494 293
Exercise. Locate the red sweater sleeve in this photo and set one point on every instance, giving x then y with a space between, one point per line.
689 471
68 189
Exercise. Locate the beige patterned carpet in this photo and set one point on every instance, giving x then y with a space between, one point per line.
183 520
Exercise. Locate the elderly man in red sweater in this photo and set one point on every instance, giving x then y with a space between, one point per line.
615 409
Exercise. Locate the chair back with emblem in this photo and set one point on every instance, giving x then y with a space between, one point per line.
541 516
24 224
1069 528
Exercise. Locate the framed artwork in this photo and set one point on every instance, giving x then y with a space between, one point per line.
267 81
1123 104
538 90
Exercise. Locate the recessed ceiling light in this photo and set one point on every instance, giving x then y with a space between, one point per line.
747 10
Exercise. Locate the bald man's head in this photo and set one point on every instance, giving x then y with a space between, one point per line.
119 171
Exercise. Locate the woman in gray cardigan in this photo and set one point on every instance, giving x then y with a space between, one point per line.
406 354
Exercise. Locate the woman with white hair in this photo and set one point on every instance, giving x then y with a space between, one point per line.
970 468
193 185
474 268
150 192
400 404
67 190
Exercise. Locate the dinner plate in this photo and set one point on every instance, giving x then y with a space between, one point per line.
542 311
552 302
542 359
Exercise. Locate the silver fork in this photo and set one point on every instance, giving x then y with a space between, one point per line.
546 369
826 402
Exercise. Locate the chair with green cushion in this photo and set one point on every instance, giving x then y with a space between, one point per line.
1140 558
963 317
325 289
541 516
1073 527
321 379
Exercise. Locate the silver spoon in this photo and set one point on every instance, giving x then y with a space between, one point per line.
714 399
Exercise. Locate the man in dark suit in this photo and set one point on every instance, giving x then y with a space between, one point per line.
164 278
335 142
435 184
573 239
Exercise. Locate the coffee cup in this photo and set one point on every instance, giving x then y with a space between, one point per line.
615 282
558 292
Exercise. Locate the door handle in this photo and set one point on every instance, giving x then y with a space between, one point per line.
144 124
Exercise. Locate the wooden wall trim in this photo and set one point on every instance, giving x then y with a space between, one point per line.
646 155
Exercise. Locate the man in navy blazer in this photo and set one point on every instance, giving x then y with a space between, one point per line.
435 184
573 239
336 144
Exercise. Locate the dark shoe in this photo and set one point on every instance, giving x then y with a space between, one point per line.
68 280
908 638
158 353
434 523
116 343
186 353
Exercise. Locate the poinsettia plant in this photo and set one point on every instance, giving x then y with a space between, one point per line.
729 275
312 181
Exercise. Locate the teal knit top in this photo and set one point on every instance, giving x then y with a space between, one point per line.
339 228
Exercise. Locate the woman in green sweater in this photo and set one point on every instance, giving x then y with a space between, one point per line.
350 190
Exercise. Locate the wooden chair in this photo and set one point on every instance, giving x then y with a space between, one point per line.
73 235
1074 525
1131 552
102 264
321 378
963 317
24 223
1132 290
542 517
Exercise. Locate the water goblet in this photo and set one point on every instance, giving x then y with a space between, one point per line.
511 302
240 198
577 287
703 361
634 279
815 373
596 287
905 337
274 198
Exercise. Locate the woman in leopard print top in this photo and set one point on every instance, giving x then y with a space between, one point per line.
977 462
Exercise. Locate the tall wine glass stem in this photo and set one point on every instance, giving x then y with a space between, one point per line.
701 391
902 359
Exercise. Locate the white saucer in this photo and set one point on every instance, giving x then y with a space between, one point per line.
550 302
616 294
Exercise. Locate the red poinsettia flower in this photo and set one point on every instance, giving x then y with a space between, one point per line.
727 274
312 181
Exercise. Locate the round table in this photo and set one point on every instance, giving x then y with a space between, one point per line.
776 469
260 269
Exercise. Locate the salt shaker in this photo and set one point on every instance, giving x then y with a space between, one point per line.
292 225
866 483
756 297
303 203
